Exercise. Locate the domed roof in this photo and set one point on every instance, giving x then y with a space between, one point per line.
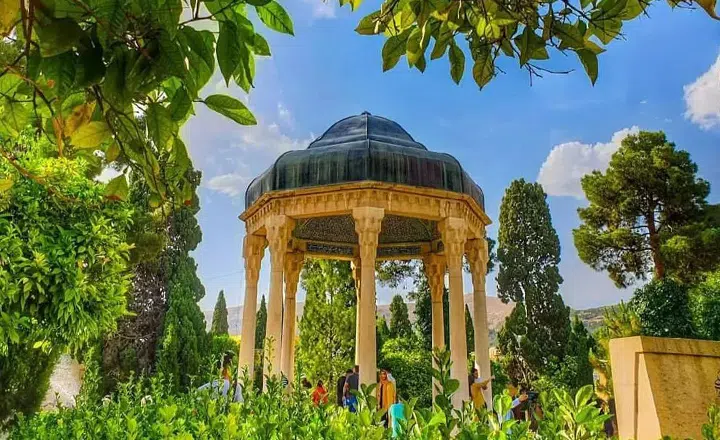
364 148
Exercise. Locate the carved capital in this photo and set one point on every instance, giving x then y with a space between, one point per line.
253 251
477 255
435 268
454 236
293 265
278 229
368 222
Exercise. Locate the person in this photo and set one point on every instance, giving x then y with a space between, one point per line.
522 398
320 395
306 383
477 385
222 386
397 414
340 388
386 395
352 383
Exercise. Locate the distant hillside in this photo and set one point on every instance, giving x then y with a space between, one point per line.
497 312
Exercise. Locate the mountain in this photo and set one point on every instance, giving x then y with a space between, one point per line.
497 312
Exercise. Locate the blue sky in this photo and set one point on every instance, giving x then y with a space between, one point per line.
664 76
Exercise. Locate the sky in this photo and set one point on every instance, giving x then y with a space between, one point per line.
664 75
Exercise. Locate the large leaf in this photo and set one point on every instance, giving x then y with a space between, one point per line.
161 126
58 36
117 188
90 135
589 61
457 62
275 17
530 45
370 25
484 68
232 108
228 50
394 48
9 14
79 117
180 105
260 46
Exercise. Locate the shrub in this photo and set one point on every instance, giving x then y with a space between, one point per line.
409 363
705 300
663 308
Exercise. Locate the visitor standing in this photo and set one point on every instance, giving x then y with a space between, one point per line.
477 385
340 388
386 395
320 395
352 384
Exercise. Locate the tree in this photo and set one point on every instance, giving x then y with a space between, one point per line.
399 320
327 329
663 309
469 331
220 316
184 344
261 324
705 301
92 77
648 204
423 309
492 31
529 254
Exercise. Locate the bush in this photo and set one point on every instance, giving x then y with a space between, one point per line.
663 308
220 345
705 300
410 364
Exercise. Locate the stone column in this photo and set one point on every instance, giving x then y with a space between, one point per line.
355 265
367 225
293 265
435 268
453 232
477 254
278 231
253 250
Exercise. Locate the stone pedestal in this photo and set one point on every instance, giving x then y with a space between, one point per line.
663 386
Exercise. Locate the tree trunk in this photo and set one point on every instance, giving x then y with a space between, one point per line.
654 238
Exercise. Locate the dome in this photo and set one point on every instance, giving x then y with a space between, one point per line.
364 148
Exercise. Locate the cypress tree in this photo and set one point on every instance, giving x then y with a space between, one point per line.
260 324
399 318
469 331
220 316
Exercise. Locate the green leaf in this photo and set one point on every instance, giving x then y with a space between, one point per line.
530 45
90 135
232 108
484 68
228 50
442 41
161 127
569 35
200 42
457 62
59 36
370 25
9 14
260 46
5 185
180 105
632 10
117 188
606 30
394 48
275 17
416 46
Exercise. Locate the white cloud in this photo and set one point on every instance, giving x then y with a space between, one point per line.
107 174
284 114
232 184
702 98
322 8
567 163
644 101
269 138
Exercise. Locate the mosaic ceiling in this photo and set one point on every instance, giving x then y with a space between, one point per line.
341 229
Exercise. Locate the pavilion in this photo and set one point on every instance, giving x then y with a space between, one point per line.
366 191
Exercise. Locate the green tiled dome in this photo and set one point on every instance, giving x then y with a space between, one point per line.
364 148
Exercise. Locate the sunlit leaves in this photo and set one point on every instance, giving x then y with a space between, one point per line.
232 108
228 50
59 36
275 17
484 68
9 14
394 48
117 188
590 62
161 127
90 135
457 62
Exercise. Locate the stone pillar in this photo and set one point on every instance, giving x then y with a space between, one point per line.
477 254
355 265
435 268
293 265
278 231
368 221
253 250
453 232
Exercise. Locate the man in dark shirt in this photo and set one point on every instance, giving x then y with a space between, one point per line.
352 382
340 388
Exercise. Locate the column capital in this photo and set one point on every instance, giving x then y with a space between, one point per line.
253 250
435 268
278 229
454 236
293 265
368 221
477 255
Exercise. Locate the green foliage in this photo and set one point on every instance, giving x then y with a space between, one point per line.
491 31
400 326
711 430
501 381
648 212
575 418
705 300
220 316
184 344
410 364
538 329
663 309
326 348
469 331
64 274
24 380
260 328
109 75
222 345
